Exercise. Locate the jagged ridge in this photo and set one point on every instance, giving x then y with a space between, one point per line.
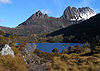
77 13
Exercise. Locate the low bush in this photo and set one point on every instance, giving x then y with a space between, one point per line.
9 63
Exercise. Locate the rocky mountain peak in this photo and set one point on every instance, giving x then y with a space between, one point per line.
69 7
77 13
39 14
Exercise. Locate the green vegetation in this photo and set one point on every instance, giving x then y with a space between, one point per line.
38 38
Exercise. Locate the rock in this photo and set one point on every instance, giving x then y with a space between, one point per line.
39 14
30 48
34 63
6 50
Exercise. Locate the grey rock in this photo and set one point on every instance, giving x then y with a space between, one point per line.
6 50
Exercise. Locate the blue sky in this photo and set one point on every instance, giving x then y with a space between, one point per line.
14 12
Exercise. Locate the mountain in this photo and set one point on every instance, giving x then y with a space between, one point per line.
88 30
77 13
41 23
34 18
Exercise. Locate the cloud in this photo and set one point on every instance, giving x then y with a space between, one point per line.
46 11
2 20
5 1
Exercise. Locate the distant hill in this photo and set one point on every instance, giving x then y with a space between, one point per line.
88 30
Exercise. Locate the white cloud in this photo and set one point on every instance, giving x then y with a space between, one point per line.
46 11
6 1
2 20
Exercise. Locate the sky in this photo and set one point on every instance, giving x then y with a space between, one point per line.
14 12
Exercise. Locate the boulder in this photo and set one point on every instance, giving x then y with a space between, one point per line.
6 50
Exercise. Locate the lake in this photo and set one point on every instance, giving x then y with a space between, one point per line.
48 47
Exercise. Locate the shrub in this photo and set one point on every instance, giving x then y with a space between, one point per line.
16 51
64 51
55 50
9 63
58 65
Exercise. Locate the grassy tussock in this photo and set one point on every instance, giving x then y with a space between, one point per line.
9 63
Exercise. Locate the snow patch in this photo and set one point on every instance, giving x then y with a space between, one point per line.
83 14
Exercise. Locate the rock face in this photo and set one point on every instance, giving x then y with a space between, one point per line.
78 13
6 50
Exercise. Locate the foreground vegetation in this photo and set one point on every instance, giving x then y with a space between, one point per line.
86 58
76 58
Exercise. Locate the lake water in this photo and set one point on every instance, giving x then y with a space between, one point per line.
48 47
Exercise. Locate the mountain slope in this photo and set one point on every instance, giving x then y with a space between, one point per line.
88 30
